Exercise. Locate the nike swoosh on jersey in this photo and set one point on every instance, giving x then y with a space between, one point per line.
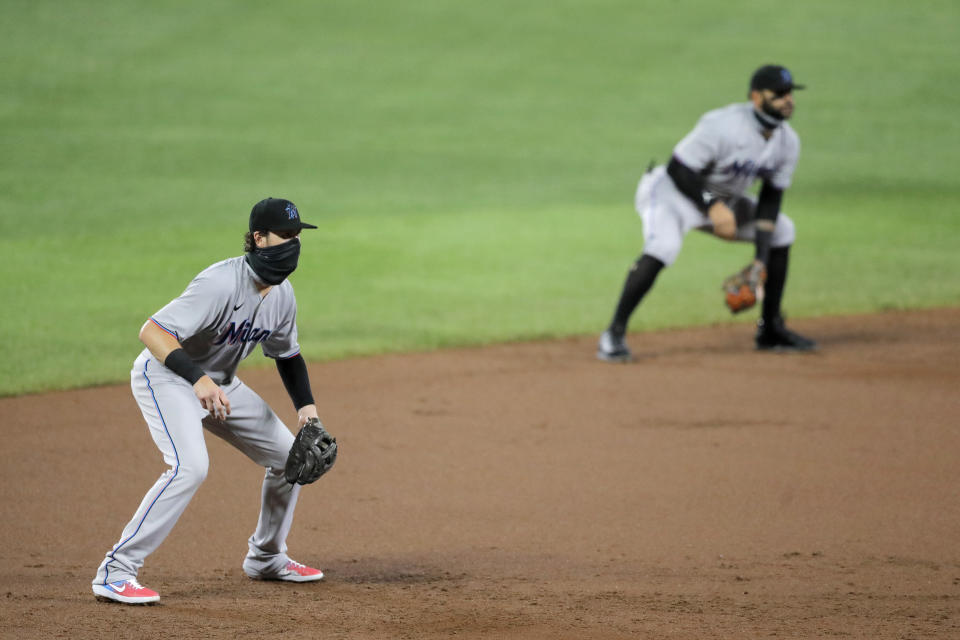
238 306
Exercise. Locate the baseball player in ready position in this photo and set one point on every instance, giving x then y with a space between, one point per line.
185 381
703 187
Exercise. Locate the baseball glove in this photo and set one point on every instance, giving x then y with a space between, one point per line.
743 288
313 453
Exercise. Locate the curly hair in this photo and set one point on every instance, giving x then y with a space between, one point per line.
249 244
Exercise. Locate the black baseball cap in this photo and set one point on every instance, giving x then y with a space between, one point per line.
276 214
775 78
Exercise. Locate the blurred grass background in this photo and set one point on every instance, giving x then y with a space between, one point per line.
471 165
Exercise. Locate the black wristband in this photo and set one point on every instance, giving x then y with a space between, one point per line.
180 363
293 372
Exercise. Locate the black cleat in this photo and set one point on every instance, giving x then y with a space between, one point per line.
612 348
774 336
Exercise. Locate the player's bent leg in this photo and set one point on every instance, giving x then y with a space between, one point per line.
252 427
612 345
258 432
772 332
267 546
173 416
156 516
784 232
267 557
663 230
777 264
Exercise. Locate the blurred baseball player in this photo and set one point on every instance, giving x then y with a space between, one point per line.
185 381
703 187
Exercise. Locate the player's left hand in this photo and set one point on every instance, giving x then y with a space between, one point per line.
744 287
306 412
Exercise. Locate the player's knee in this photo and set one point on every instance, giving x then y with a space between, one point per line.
278 457
193 477
193 471
665 253
274 456
784 233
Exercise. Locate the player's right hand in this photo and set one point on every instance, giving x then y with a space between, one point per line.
724 222
212 397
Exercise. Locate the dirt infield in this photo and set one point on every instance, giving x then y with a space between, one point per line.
530 491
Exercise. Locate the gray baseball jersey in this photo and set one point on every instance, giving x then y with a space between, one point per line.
728 147
220 318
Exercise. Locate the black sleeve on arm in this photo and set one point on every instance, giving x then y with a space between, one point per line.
768 208
293 372
688 181
180 363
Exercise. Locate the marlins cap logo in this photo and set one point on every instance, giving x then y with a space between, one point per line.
292 212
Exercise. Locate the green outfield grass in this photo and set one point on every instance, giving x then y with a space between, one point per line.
471 165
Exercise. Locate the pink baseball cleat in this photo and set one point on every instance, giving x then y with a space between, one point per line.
126 591
292 572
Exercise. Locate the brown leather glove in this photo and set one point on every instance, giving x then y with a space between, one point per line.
744 287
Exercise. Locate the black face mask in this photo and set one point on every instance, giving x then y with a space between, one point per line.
274 264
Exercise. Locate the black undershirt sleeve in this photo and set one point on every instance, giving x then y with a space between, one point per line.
689 182
293 372
768 208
